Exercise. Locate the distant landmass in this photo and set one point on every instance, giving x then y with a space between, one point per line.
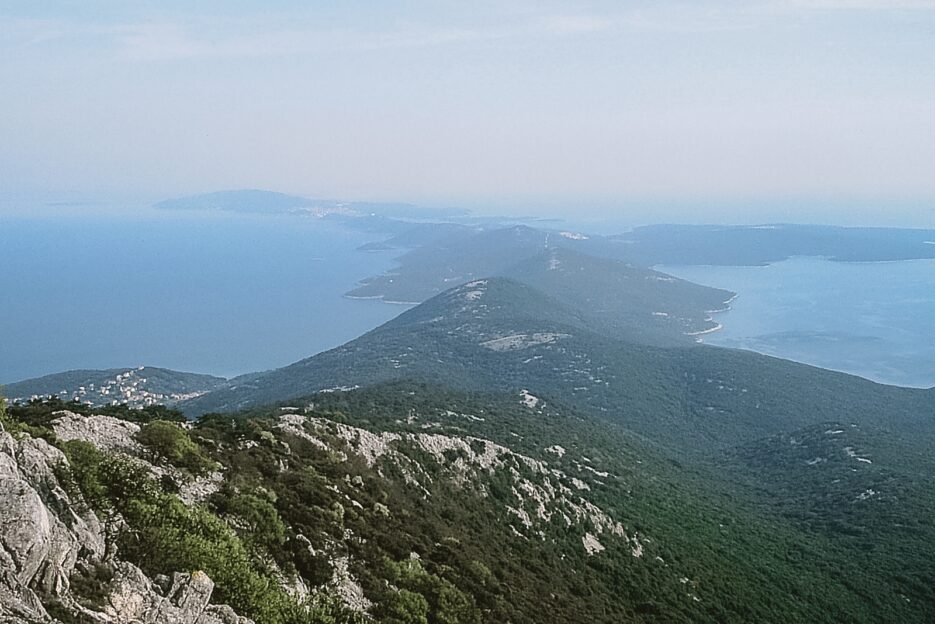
647 245
438 256
270 202
765 244
250 200
639 303
137 387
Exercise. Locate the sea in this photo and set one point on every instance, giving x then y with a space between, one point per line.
873 319
227 294
223 294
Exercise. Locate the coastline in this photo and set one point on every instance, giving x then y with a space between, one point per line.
809 294
381 298
710 319
710 330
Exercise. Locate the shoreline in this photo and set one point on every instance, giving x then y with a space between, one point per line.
710 330
381 298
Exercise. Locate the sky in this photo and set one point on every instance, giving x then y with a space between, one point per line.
762 109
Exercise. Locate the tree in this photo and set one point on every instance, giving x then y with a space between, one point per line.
170 441
407 607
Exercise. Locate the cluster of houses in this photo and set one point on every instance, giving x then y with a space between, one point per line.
126 388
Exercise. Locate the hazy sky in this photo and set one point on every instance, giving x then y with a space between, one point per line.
479 104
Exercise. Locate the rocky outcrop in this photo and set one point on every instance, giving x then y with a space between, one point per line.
182 600
45 536
105 432
41 534
119 436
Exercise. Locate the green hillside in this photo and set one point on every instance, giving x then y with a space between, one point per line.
497 455
414 502
500 334
622 300
141 385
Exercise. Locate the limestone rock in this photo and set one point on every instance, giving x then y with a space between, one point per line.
104 432
44 536
134 598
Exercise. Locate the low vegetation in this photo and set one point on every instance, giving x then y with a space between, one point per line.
347 497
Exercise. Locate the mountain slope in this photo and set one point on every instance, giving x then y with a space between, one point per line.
411 502
500 334
443 339
621 300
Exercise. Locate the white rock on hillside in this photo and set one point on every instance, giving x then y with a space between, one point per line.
43 538
104 432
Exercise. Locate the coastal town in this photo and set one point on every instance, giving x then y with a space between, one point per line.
133 387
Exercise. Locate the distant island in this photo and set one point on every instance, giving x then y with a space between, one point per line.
271 202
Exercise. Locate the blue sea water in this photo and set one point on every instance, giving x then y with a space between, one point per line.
876 320
221 294
228 294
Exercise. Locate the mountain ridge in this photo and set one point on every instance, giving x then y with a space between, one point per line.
488 334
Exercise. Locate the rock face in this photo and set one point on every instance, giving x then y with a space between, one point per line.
41 536
119 436
134 598
44 539
104 432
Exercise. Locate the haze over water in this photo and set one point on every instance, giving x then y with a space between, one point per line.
870 319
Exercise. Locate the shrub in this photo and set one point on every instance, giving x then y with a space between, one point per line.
171 442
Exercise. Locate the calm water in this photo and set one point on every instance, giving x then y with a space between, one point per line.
222 294
876 320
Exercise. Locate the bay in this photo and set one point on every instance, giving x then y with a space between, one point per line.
874 319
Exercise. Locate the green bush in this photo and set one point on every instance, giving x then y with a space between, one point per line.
444 603
257 518
162 535
168 440
407 607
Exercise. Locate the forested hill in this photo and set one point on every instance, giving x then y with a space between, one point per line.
622 300
137 386
500 334
408 502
